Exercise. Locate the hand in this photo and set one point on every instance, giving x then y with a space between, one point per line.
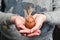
36 33
19 22
39 19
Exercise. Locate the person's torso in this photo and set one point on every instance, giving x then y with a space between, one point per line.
18 7
47 4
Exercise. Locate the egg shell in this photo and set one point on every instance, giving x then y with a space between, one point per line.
29 22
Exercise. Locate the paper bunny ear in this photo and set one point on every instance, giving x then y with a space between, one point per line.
30 10
26 9
30 6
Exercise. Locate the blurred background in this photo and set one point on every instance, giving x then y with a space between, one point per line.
56 33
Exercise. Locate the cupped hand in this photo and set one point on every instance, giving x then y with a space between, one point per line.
39 19
20 24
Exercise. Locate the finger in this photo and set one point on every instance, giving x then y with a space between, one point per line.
25 31
21 27
37 31
34 34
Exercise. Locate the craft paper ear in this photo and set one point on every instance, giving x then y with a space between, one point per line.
30 10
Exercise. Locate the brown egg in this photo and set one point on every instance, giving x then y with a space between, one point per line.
29 22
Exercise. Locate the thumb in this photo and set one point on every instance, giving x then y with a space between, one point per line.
36 28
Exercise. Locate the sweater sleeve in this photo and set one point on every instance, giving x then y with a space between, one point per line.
5 17
53 17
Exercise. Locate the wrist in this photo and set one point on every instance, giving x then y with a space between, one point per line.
13 18
43 17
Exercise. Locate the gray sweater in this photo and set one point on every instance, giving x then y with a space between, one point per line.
52 16
39 6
